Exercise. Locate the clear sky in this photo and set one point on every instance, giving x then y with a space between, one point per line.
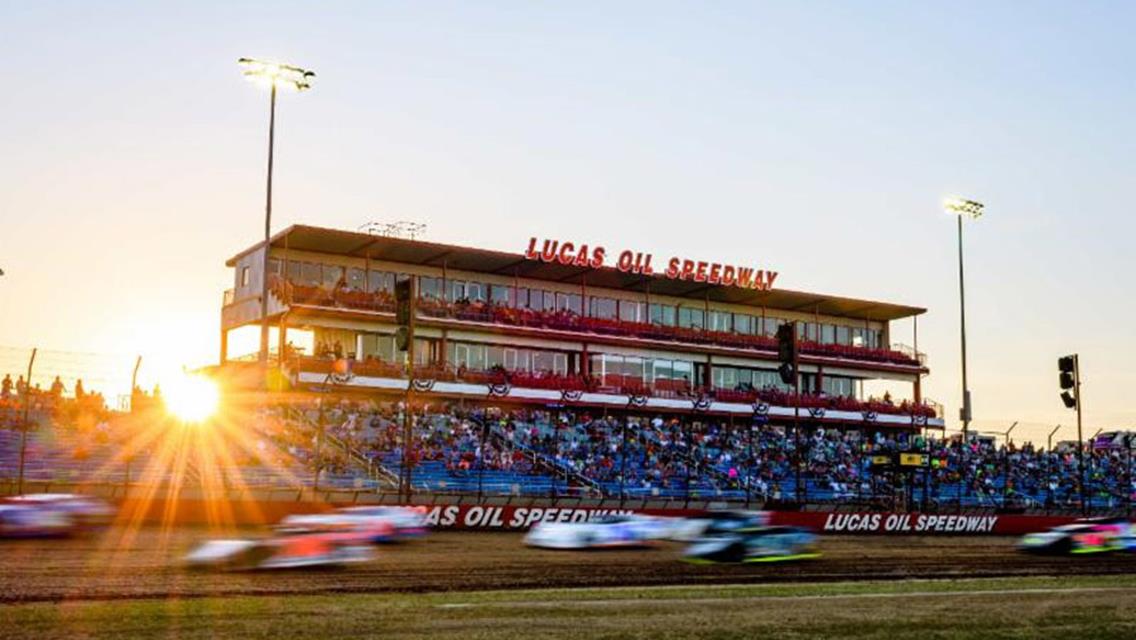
816 138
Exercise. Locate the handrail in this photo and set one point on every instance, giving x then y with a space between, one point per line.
539 458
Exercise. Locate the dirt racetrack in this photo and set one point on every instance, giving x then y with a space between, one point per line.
145 564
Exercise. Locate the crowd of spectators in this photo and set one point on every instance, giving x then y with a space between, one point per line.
658 455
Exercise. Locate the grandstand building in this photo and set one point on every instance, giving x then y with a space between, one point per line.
564 325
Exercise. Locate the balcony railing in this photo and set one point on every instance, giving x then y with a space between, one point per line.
230 295
609 384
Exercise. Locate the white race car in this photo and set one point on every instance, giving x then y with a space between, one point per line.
292 551
52 514
601 533
376 524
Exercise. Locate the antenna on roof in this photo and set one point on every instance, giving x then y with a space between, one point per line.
401 229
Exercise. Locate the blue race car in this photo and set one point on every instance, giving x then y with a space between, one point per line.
1089 535
753 544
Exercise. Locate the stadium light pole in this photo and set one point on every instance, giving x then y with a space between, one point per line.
961 208
288 77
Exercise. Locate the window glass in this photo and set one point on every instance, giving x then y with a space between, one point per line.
380 281
660 369
521 301
827 333
663 314
568 302
273 265
683 370
311 275
475 291
560 363
631 311
769 325
842 334
356 279
743 323
332 275
477 357
602 308
838 386
720 321
596 364
768 379
423 349
501 295
874 339
548 301
691 318
858 337
633 366
429 288
378 346
244 277
295 271
542 361
806 331
494 356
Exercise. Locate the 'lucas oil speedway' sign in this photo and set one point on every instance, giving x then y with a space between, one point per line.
513 518
595 257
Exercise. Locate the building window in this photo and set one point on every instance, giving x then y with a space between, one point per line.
769 325
744 324
569 302
827 334
244 276
603 308
631 311
357 279
311 274
501 295
691 318
429 288
332 275
662 314
842 335
380 281
721 321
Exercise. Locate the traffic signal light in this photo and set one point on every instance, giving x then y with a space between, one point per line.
404 312
787 353
1067 368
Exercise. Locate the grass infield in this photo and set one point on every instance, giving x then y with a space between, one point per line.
1080 606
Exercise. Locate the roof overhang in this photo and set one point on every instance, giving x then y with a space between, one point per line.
417 252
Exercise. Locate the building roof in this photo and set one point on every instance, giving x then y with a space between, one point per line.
364 245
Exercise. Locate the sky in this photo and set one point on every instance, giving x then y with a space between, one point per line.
814 138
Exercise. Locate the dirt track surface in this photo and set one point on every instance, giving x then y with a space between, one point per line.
145 564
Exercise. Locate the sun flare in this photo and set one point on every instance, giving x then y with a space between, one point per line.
191 398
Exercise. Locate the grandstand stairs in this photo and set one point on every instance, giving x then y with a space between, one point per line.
375 474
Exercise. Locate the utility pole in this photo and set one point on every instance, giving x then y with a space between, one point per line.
406 302
1080 434
24 429
134 395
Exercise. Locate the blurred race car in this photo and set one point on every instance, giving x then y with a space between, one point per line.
52 514
695 527
286 551
376 524
753 544
606 532
1089 535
